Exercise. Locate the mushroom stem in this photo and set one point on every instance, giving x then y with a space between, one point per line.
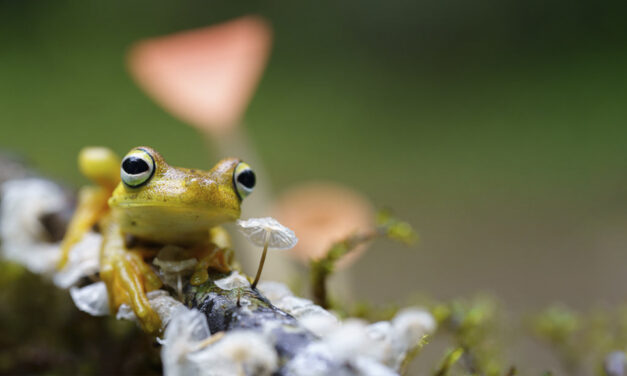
262 261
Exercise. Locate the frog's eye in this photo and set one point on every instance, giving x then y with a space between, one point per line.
137 168
244 179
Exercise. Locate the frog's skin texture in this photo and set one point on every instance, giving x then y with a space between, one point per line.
162 205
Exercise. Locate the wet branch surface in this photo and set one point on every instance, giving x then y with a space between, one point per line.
247 308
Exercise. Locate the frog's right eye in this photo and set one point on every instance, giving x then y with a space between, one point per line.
137 168
244 179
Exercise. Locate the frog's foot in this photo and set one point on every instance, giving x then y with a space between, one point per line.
218 259
128 277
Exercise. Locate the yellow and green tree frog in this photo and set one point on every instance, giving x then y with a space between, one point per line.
140 204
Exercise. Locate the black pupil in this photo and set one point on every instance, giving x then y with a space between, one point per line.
134 165
247 179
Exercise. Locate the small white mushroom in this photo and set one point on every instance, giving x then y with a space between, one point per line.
267 233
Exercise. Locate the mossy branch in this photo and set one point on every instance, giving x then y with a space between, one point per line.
320 270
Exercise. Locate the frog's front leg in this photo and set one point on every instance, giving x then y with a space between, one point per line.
92 204
127 277
100 165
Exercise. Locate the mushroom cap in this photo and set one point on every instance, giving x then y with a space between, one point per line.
205 76
323 213
258 229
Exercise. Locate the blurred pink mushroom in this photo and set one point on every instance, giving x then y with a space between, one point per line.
206 76
321 214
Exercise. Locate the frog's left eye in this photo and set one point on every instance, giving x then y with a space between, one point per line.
244 179
137 168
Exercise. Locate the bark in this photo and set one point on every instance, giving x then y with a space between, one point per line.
247 308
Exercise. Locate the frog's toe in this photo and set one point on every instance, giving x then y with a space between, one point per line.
199 277
150 278
149 321
126 283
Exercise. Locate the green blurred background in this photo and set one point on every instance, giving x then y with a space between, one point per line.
497 128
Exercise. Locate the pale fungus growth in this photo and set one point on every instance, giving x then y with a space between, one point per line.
160 300
186 330
84 261
267 233
274 291
190 349
238 352
233 281
410 324
311 316
24 236
91 299
173 266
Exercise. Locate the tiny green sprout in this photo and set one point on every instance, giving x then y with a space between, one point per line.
396 229
556 324
267 233
10 272
564 331
449 361
413 353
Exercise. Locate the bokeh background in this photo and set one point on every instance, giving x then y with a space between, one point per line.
497 128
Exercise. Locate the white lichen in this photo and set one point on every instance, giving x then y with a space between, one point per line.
188 349
187 329
311 316
320 324
161 302
411 324
83 261
24 239
238 352
274 291
397 337
318 359
356 348
91 299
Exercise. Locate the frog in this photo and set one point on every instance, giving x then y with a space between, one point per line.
139 203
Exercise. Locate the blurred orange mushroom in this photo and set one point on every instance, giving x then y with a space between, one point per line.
206 76
321 214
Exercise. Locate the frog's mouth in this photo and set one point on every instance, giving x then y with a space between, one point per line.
174 209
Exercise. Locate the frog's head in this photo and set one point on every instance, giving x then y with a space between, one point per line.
163 203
